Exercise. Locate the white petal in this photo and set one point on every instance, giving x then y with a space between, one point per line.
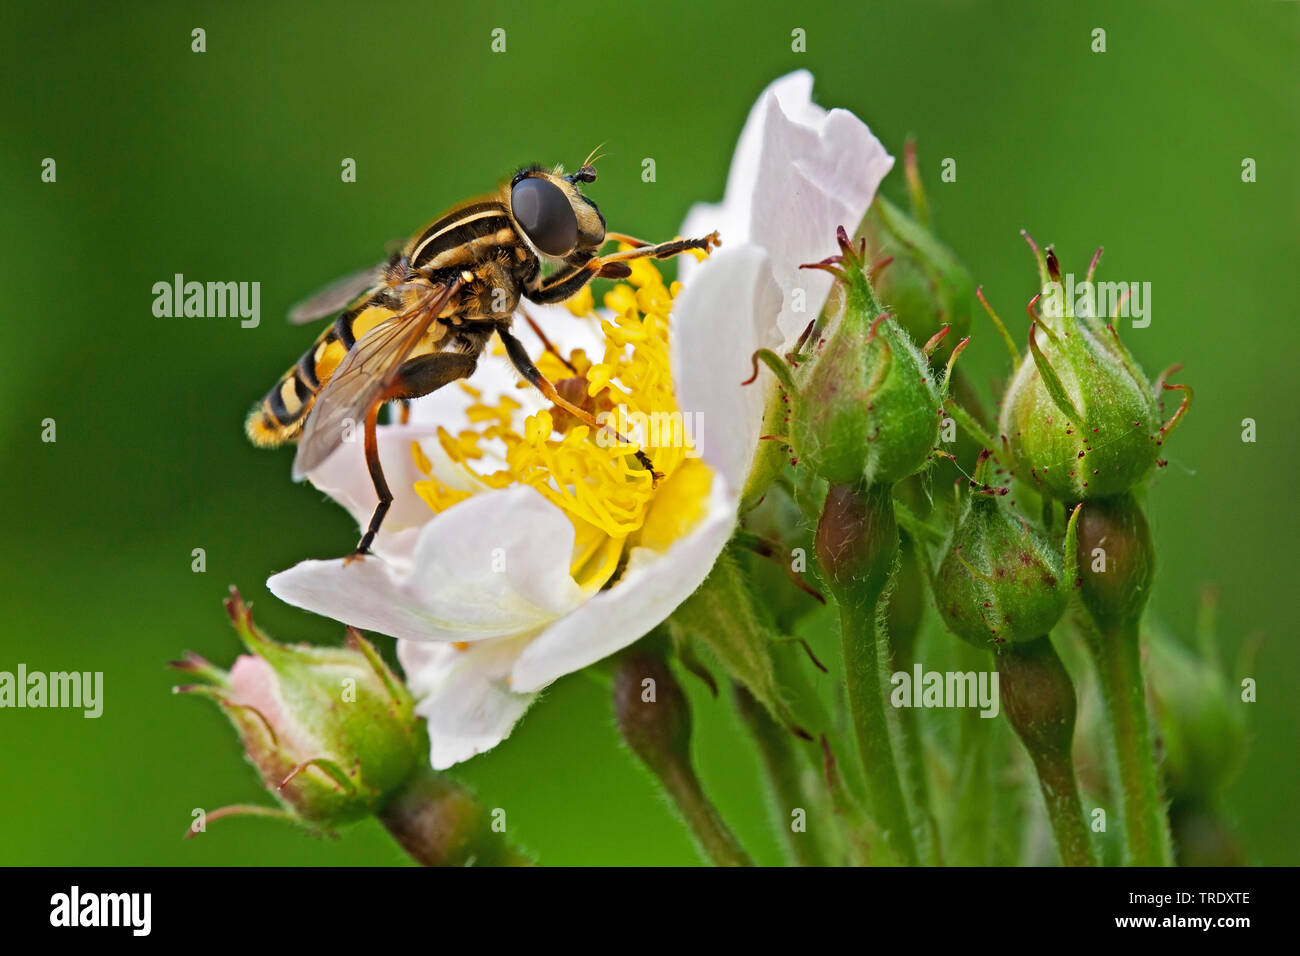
452 589
732 216
345 478
719 319
651 588
464 695
799 172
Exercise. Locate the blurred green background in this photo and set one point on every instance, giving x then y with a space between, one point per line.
225 166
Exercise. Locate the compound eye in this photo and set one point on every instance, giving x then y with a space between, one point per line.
543 211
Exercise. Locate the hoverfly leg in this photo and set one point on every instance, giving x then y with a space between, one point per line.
413 378
624 238
518 356
662 250
567 282
380 483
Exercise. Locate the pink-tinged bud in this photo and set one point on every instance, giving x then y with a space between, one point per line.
1080 418
1001 580
332 731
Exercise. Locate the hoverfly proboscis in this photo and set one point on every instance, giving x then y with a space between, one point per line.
421 319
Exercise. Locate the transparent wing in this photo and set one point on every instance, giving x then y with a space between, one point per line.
363 377
338 295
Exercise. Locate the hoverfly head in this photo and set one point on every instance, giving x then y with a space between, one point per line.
553 215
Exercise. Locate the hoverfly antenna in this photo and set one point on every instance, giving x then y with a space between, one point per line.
587 172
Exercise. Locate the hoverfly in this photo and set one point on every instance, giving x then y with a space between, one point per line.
421 319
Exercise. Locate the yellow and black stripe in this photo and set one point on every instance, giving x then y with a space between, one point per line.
279 417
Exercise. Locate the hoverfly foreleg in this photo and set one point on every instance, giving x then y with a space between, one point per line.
416 377
519 358
662 250
568 281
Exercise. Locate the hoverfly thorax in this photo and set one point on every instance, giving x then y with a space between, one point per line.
553 216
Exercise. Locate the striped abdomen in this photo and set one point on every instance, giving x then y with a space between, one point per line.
279 417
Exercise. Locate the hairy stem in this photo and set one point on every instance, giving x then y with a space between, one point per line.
857 547
1116 652
654 717
714 839
1061 793
440 823
866 703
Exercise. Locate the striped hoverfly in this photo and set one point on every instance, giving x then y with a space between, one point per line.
421 319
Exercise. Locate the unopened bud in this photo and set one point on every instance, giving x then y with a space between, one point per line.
331 731
925 287
1081 419
1001 579
864 403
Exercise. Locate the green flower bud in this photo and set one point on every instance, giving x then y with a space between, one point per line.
1081 419
864 404
332 731
1001 579
925 287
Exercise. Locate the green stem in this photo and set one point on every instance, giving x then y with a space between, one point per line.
1057 782
1114 589
784 769
969 840
1039 702
1116 652
440 823
905 612
861 644
917 786
714 839
653 715
857 548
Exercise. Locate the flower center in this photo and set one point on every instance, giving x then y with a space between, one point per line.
612 500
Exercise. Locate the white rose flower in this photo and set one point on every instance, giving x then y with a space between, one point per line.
519 548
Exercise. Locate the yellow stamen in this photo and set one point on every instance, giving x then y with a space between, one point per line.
594 478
